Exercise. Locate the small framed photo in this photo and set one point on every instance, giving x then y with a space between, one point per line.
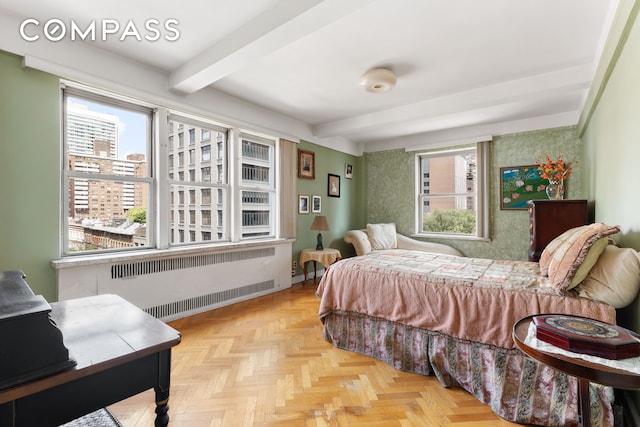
333 185
303 204
348 171
306 164
316 204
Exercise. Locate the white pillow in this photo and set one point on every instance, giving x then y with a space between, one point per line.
614 279
382 236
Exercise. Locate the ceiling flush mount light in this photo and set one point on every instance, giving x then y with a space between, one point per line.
378 80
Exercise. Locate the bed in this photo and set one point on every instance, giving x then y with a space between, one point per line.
437 313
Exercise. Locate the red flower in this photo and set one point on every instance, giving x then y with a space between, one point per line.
555 169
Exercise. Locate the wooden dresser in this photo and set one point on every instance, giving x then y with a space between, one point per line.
550 218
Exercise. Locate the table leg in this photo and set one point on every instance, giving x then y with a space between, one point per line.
584 403
162 388
315 270
304 268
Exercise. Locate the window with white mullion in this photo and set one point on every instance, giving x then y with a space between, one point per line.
257 189
195 180
112 177
451 192
108 183
199 189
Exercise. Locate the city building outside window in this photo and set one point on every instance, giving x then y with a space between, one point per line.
201 183
452 192
206 151
257 186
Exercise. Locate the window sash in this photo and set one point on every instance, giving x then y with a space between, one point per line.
479 194
89 169
257 184
205 174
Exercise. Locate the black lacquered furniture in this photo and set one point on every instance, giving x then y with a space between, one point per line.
119 351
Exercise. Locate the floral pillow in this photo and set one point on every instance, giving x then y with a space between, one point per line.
564 255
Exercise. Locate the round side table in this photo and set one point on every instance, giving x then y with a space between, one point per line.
326 257
583 370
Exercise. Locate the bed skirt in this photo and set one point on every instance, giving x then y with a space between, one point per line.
516 387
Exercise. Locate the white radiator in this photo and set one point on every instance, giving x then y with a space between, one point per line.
179 285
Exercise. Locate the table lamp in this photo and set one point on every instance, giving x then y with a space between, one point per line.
320 224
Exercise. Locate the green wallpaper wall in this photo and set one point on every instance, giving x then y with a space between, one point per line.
611 155
612 146
344 212
29 173
390 189
612 152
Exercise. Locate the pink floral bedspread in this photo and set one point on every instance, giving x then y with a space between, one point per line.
469 298
452 317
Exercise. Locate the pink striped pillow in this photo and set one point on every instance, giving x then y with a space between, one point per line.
565 254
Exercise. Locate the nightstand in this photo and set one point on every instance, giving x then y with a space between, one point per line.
326 257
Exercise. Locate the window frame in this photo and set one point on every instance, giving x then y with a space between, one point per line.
270 187
115 101
160 214
481 193
186 124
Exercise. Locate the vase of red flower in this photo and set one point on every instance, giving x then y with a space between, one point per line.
555 171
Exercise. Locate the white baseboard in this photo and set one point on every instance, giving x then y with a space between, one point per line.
300 277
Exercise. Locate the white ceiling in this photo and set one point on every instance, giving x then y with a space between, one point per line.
461 64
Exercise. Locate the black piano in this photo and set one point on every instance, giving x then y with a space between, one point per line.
31 344
114 350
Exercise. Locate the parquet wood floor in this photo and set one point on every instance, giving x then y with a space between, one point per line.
263 362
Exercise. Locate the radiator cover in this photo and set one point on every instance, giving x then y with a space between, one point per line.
175 285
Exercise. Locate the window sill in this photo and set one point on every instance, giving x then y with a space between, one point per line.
150 254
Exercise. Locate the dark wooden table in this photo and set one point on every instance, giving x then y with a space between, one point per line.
583 370
120 351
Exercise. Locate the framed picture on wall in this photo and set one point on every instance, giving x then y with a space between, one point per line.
333 185
303 204
519 184
348 171
306 164
316 204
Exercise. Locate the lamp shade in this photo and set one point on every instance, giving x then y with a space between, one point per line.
320 223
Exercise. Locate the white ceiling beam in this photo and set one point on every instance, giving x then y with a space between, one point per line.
450 106
442 138
277 27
